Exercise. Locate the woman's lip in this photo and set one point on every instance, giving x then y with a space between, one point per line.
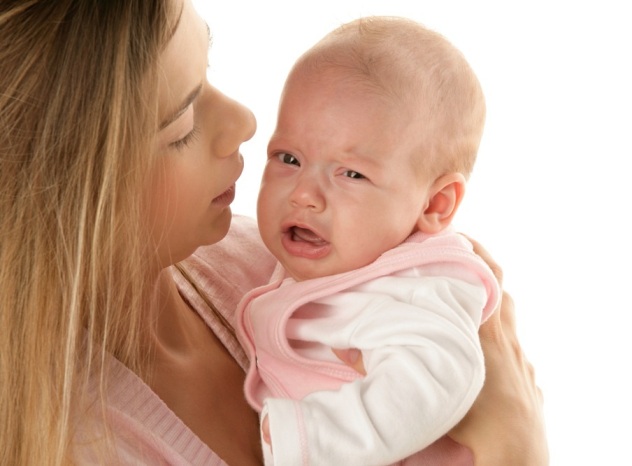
226 198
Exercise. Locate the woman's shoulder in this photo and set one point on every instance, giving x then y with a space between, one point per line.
216 277
224 272
240 258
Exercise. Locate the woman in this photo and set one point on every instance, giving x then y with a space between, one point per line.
117 161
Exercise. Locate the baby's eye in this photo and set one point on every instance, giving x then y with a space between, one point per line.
353 174
288 158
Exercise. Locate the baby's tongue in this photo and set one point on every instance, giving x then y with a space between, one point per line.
303 234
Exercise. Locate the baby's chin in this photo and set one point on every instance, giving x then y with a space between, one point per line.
301 269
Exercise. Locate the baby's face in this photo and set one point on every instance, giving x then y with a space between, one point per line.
339 188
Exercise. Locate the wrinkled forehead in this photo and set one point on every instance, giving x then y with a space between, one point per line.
339 107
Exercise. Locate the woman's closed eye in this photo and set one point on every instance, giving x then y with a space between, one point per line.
185 141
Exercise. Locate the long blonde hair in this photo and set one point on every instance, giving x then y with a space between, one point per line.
77 114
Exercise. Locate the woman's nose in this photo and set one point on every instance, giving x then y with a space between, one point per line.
234 124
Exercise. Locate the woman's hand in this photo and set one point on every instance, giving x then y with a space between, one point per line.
506 423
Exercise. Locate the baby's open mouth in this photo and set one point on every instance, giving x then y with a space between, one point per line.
306 235
304 242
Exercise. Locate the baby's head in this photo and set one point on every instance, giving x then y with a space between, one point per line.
378 128
417 71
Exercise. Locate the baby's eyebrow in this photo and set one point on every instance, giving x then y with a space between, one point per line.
183 106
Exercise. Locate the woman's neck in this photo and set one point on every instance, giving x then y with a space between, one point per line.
194 374
175 325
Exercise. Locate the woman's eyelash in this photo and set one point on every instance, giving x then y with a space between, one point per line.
183 143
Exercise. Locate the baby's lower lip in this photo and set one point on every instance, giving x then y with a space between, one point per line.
226 198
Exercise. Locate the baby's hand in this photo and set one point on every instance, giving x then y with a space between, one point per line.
351 357
265 430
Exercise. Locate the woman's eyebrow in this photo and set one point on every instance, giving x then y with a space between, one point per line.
183 106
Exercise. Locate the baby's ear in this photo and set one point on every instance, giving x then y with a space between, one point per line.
444 198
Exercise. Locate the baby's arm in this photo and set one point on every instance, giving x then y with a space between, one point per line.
424 370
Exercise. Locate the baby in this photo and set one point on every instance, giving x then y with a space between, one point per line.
378 129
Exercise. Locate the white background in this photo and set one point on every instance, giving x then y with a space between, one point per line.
549 196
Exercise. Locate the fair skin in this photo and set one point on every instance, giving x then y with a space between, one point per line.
189 205
194 182
189 198
339 188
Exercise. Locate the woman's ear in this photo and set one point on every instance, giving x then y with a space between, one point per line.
444 198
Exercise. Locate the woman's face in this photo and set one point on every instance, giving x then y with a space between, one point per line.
198 158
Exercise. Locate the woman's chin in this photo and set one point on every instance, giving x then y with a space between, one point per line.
219 228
